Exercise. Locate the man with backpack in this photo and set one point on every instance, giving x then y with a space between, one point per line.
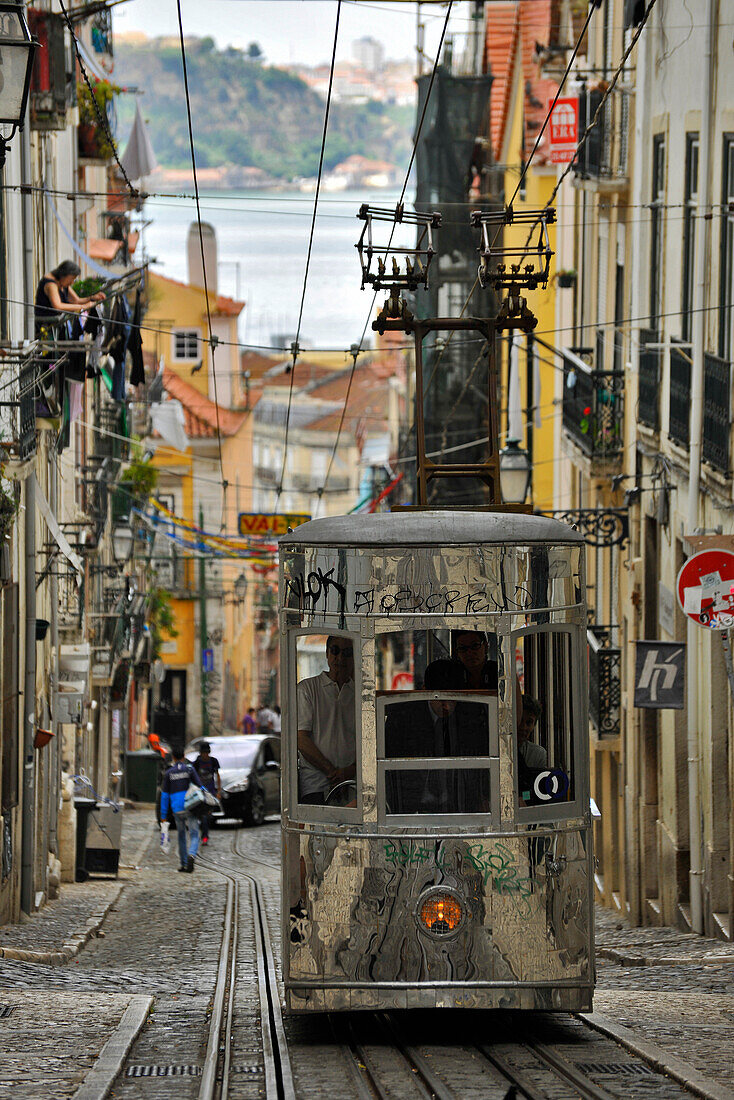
176 783
207 766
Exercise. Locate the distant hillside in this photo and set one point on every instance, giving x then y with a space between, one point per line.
248 114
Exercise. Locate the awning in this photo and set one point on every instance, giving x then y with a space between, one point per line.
56 532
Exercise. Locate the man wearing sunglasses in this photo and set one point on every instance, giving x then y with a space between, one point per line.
471 649
326 725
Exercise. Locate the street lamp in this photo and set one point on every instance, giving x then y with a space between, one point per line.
515 472
17 50
122 542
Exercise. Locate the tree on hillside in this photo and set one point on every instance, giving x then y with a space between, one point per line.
254 53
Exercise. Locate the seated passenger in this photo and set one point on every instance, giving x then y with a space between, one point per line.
436 728
471 649
326 725
530 752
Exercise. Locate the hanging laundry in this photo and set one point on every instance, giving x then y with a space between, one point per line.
135 345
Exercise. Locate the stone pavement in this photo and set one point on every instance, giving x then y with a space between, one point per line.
151 938
670 989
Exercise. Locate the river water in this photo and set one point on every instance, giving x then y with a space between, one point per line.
262 244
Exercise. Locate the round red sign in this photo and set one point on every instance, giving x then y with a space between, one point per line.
706 589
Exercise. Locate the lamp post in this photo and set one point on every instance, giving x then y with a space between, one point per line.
515 473
17 50
122 542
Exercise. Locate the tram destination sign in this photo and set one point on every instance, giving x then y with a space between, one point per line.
706 589
660 675
269 523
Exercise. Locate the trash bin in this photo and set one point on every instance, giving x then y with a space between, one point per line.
141 775
104 833
84 807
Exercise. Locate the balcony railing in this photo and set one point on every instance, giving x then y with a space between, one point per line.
679 422
604 154
605 684
716 412
648 407
18 371
593 407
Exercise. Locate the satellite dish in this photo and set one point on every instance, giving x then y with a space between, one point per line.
159 670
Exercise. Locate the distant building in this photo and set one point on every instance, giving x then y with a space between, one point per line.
369 53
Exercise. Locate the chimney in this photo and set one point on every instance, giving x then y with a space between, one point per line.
193 253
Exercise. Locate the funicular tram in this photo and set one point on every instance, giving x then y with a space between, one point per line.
437 846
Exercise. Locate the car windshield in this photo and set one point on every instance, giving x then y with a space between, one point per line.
235 755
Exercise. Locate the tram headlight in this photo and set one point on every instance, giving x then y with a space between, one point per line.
440 913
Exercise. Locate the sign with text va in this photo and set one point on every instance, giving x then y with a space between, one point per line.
659 675
269 523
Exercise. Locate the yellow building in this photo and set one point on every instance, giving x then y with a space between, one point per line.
518 104
204 464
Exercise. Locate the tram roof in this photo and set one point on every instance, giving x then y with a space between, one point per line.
444 528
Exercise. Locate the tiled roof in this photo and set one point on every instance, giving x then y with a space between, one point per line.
221 304
523 23
200 413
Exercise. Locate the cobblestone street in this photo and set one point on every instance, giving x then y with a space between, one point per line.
122 974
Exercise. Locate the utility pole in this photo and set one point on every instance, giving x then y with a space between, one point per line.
203 636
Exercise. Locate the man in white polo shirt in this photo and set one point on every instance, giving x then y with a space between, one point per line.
326 725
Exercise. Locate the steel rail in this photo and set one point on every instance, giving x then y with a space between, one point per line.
277 1068
222 987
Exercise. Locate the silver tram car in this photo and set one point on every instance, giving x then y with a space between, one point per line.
445 858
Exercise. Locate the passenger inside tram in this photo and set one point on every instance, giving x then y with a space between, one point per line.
326 724
471 648
444 728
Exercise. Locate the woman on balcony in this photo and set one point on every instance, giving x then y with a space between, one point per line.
54 295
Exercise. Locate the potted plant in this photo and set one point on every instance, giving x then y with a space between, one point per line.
93 138
566 277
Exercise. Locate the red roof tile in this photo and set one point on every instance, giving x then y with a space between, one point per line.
200 413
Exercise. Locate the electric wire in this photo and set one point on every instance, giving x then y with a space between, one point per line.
310 246
201 248
404 188
101 116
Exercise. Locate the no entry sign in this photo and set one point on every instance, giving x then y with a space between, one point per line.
706 589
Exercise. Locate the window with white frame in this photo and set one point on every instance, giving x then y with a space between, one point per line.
726 267
186 344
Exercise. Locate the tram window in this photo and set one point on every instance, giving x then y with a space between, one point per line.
437 791
402 657
545 717
450 726
326 718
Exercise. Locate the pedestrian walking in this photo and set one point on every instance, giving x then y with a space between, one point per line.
207 768
265 717
176 783
277 721
248 722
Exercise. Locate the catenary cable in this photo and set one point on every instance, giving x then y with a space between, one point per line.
212 341
310 247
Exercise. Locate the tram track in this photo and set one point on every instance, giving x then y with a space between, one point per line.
216 1074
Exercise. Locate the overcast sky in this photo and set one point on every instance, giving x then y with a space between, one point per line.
293 30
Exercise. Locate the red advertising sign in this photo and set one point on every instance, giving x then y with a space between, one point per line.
564 130
706 589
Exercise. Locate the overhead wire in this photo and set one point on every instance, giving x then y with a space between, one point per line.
404 188
212 342
295 348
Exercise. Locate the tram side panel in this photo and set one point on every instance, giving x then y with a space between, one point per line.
356 883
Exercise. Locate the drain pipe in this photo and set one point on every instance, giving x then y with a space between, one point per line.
694 477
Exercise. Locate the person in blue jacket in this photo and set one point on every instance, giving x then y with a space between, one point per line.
173 793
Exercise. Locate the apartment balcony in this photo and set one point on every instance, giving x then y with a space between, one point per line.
18 370
649 381
593 411
716 414
603 159
605 681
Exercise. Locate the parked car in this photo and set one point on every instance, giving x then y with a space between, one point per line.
249 767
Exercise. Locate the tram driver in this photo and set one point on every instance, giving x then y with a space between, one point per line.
327 747
436 728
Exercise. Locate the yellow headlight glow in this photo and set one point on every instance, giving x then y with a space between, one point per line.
441 913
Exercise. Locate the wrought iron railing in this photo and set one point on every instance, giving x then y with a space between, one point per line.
604 154
649 378
605 683
716 411
679 421
593 407
18 371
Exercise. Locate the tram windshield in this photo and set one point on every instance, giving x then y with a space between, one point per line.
401 658
545 717
326 718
